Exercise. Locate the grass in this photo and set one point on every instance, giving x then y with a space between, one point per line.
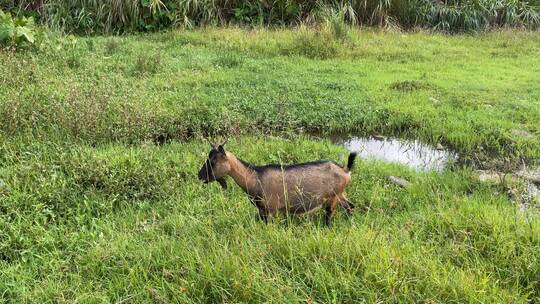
93 210
107 223
461 91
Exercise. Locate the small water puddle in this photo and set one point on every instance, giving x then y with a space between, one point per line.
413 153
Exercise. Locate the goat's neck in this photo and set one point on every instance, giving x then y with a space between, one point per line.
244 176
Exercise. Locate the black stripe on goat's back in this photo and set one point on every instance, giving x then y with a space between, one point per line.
287 166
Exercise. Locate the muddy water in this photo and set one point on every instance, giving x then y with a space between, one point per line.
417 155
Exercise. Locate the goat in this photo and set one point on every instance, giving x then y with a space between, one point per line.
295 188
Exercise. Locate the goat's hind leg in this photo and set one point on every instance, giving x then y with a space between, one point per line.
346 204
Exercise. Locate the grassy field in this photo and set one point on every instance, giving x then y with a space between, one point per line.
101 139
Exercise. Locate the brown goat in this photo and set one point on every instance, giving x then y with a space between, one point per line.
296 188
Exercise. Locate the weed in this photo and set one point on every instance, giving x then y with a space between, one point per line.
147 65
16 31
91 46
73 60
335 23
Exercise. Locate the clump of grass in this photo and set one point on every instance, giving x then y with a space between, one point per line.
147 64
111 46
335 24
73 60
314 44
322 42
228 59
410 85
90 45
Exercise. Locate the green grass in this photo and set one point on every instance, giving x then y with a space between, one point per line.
468 92
112 222
92 211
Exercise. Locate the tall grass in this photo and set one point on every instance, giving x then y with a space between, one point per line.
118 224
114 16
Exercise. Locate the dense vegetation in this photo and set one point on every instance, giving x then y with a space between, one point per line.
100 141
116 16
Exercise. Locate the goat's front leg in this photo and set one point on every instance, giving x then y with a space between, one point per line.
330 209
222 182
263 214
263 211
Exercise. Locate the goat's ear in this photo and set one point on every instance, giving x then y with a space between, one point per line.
221 149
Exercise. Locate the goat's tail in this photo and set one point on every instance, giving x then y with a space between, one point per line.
350 161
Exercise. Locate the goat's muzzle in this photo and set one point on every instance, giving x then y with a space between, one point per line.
204 175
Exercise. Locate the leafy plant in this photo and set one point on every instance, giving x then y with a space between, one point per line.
16 30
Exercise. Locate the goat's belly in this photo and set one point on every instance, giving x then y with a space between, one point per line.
304 204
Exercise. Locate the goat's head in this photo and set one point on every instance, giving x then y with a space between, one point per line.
216 167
